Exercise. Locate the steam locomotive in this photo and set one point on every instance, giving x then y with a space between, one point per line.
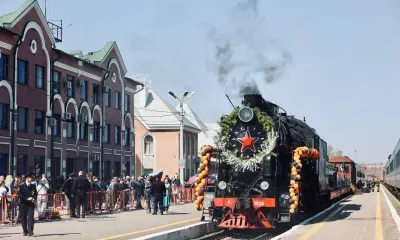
279 186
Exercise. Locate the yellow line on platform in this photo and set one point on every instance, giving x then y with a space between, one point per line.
321 224
149 229
378 227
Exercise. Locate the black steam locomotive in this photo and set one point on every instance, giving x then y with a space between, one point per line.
259 194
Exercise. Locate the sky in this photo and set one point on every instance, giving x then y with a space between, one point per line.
342 75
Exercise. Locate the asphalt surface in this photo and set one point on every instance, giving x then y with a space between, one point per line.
361 217
125 225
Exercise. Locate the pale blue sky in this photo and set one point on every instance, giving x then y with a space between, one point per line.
342 77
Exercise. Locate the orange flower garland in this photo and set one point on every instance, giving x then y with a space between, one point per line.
201 179
300 154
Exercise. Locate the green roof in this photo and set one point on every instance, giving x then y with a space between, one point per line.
10 18
100 55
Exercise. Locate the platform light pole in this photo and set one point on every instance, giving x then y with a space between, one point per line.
182 113
355 155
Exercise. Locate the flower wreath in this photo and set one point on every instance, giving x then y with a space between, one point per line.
246 163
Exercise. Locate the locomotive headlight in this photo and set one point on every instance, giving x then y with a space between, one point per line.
246 114
222 185
264 185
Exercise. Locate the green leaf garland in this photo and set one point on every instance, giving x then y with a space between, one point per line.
222 139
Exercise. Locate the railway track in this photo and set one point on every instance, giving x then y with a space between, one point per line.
245 234
235 234
394 191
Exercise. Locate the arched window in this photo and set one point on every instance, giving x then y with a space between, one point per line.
148 145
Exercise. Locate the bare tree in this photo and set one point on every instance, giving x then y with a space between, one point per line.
331 151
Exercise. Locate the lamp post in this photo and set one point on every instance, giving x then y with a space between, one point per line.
185 95
355 155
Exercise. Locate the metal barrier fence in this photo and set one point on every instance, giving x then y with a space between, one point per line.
50 206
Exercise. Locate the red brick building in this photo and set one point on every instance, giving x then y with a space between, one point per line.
345 166
55 102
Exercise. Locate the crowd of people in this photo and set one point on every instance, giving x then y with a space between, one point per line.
32 193
370 185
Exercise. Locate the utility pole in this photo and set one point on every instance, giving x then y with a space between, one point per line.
182 113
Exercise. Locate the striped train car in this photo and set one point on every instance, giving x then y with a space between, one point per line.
392 168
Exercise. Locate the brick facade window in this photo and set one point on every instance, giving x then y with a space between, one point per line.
95 94
22 119
83 131
22 71
4 69
96 132
71 128
107 99
83 90
57 125
126 103
56 81
39 122
127 136
4 115
39 77
107 133
117 135
71 91
117 100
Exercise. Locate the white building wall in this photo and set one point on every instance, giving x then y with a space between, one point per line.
206 137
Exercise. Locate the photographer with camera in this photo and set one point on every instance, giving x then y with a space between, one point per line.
27 195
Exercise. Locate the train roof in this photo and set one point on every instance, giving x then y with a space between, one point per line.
304 127
393 153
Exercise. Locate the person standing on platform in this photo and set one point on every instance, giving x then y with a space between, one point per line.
373 185
158 192
147 184
27 195
167 197
80 189
42 189
67 190
377 184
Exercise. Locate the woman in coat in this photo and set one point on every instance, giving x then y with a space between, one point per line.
167 196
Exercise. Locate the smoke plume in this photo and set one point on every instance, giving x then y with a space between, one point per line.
243 52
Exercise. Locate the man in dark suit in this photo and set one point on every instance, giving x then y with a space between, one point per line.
67 190
157 190
80 190
27 195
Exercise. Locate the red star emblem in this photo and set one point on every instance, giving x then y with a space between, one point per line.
247 142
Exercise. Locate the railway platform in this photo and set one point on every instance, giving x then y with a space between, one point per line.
116 226
364 217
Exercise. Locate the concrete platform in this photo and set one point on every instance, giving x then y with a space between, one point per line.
361 217
121 226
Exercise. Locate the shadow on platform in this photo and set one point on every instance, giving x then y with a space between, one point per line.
55 234
176 213
346 212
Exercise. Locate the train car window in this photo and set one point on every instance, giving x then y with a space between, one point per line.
391 165
397 159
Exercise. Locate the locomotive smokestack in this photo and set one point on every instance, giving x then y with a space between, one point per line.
256 100
253 100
